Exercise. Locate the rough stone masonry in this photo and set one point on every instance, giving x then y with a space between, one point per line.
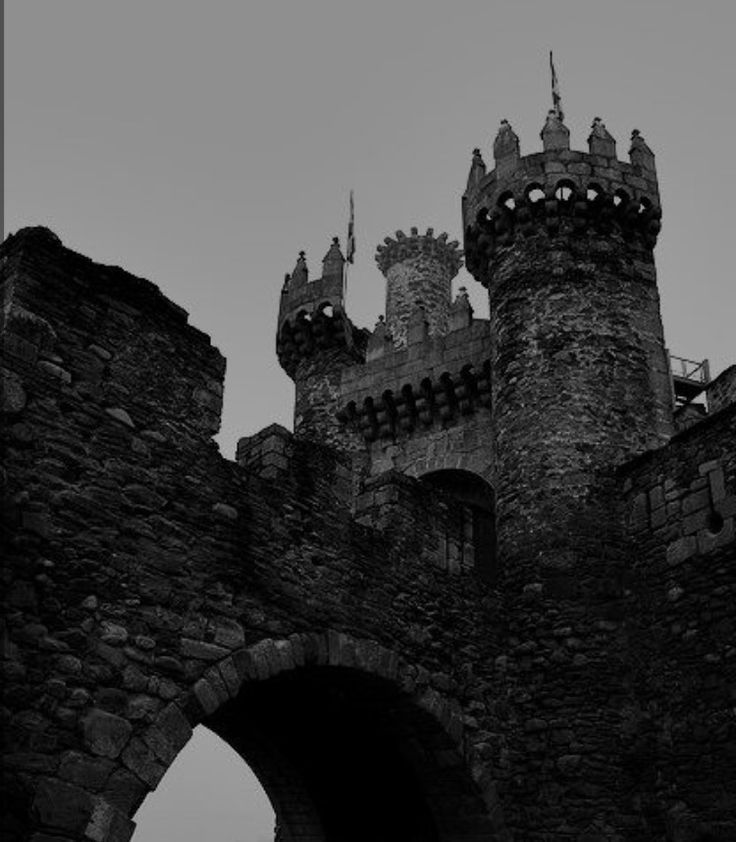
484 590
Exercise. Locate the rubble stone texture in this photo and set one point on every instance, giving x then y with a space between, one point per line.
484 591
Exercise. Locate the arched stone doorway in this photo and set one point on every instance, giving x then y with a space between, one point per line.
472 522
348 741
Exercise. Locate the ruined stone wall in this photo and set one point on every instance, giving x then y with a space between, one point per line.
136 559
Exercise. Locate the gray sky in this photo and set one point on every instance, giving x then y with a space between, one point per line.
203 144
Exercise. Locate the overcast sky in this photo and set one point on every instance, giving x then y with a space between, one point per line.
203 144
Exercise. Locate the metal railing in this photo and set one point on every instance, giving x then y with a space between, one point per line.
693 370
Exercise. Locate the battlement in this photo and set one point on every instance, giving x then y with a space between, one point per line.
559 191
402 248
300 295
419 270
311 313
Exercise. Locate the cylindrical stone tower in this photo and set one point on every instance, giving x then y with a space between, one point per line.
580 381
315 342
419 270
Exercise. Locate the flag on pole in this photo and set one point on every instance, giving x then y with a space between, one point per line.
556 99
350 245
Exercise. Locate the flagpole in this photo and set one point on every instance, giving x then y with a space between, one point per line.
345 266
349 247
556 98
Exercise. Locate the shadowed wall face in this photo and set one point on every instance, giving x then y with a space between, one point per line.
151 585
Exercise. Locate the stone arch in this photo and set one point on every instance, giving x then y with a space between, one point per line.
475 462
450 781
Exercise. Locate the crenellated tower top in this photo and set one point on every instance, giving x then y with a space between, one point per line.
312 313
299 294
419 269
558 190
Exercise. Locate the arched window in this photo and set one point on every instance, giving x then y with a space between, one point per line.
471 538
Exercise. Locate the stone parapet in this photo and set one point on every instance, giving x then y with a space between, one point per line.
108 336
560 191
403 247
268 452
430 382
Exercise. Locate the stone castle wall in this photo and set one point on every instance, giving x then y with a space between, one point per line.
681 505
150 585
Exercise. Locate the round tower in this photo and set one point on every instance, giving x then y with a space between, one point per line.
563 241
315 342
419 270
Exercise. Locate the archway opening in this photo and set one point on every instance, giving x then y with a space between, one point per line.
472 519
346 755
209 792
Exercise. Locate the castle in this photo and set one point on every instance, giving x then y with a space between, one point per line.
484 590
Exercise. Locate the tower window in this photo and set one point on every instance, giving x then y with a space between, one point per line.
471 527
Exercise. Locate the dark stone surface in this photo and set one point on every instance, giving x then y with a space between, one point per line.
324 609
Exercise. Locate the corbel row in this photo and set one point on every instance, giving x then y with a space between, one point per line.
564 211
412 408
307 334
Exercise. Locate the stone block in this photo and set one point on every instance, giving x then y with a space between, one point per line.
175 726
207 696
12 394
639 513
139 758
201 650
717 485
283 650
698 520
230 676
225 511
681 550
265 659
120 415
108 824
62 806
160 745
228 633
656 497
245 664
91 773
658 517
105 734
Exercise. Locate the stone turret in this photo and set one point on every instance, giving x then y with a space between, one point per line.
315 341
563 241
419 270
